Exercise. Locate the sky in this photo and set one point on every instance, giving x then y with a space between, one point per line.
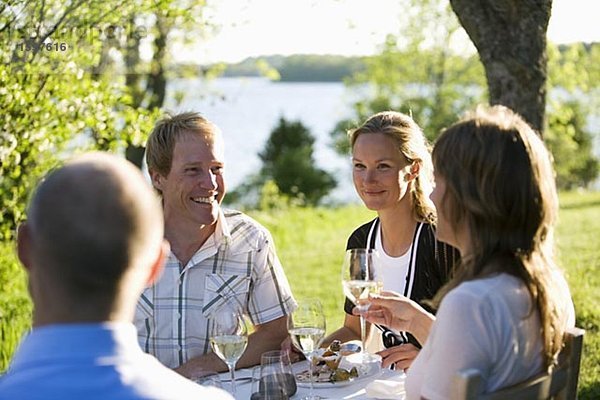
347 27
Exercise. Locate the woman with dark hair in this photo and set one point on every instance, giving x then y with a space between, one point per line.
507 307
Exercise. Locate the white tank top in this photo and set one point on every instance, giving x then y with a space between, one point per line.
395 275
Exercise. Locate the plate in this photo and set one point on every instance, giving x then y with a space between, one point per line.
364 372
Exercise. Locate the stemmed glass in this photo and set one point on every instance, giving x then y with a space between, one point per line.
229 337
307 330
277 362
359 279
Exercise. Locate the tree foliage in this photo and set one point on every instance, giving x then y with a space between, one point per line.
298 67
417 73
571 145
314 68
73 77
289 175
574 73
51 101
288 160
161 28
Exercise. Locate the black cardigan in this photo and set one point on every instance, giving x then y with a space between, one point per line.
434 263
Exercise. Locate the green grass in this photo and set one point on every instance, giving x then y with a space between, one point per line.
579 254
311 244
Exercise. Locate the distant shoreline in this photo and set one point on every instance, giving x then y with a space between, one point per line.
294 68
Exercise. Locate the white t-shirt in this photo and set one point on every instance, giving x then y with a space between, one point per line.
484 324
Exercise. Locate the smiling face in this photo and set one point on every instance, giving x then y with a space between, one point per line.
194 188
380 172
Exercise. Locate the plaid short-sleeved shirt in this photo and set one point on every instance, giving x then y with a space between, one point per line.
238 264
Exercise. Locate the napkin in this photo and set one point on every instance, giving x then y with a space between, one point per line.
383 389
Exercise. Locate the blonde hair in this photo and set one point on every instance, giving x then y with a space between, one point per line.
411 143
167 131
500 186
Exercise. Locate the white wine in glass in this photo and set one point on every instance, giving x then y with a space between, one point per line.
359 279
229 348
229 337
307 330
307 339
358 292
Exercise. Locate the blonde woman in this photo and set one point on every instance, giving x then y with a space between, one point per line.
506 309
392 174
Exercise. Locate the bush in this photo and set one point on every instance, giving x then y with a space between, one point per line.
15 304
572 147
288 172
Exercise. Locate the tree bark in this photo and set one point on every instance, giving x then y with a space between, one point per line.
157 82
510 37
135 154
153 96
132 65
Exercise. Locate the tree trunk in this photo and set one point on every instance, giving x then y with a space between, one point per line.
157 82
510 37
154 94
135 154
132 65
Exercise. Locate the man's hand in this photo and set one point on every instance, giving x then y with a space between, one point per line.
295 354
266 337
198 366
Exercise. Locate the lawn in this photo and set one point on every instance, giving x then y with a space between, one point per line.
311 244
579 254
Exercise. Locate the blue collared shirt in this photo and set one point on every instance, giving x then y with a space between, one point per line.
92 361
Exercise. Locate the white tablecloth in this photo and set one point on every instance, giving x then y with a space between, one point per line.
354 391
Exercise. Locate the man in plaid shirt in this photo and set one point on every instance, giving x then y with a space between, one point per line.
217 256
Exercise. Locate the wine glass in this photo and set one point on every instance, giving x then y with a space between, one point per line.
277 362
229 337
359 279
307 330
267 386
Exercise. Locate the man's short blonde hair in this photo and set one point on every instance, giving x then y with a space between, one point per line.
167 131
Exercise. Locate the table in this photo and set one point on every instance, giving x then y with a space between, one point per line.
354 391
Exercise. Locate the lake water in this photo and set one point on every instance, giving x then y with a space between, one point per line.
248 109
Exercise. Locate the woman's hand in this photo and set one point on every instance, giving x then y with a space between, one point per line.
392 310
400 313
402 356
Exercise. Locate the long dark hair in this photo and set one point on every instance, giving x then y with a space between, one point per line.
500 187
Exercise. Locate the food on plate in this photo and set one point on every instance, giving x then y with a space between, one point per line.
326 364
341 374
331 357
326 375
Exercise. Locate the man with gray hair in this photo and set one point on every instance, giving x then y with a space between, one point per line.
92 242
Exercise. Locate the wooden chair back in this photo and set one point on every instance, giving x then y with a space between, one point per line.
559 384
